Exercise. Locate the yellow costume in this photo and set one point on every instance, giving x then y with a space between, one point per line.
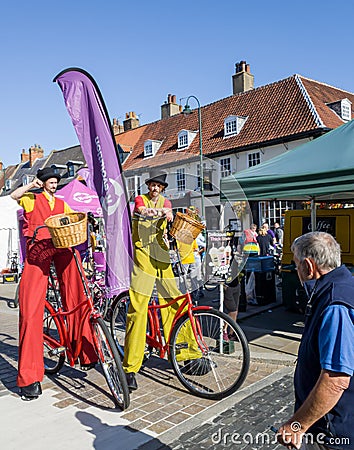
151 264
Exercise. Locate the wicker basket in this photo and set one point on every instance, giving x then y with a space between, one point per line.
185 228
67 230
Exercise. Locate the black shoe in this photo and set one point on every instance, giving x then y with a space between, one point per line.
31 392
131 381
200 366
87 367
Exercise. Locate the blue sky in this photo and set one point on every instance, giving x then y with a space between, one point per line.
140 51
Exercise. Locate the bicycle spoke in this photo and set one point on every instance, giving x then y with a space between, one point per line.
209 364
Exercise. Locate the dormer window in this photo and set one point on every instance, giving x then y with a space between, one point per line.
185 138
233 125
343 108
71 169
151 147
346 110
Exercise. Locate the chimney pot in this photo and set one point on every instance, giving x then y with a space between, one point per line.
242 80
169 108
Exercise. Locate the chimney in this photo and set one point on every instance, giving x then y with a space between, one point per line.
117 127
24 156
170 107
242 80
131 121
35 152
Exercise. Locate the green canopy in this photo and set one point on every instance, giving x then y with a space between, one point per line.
322 169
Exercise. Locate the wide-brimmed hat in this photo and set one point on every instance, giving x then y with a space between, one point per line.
46 173
157 176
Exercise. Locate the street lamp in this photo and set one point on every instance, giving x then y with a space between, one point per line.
187 110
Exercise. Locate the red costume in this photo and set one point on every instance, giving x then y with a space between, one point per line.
33 289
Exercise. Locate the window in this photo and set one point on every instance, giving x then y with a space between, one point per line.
151 147
133 187
71 169
233 125
343 108
185 138
181 180
254 159
225 167
207 175
148 149
25 179
346 112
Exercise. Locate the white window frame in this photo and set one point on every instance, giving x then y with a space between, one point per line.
225 167
133 187
151 147
346 109
181 179
253 159
233 125
185 138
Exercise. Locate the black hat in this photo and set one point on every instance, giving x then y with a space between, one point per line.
157 177
46 173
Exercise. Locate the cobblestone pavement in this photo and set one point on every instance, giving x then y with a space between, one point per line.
244 425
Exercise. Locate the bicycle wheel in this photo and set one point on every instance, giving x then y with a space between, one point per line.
222 365
111 363
118 324
119 319
53 351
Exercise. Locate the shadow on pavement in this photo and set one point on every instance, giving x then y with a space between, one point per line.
8 372
111 437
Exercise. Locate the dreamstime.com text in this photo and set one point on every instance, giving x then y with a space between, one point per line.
221 437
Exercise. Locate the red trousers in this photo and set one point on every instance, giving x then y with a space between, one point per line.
32 294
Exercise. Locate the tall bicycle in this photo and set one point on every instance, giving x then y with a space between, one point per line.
223 365
57 346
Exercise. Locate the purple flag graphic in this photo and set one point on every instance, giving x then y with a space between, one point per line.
89 116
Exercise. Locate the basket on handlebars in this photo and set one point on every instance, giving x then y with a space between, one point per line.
68 229
185 228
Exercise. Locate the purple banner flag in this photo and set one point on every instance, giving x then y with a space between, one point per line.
89 116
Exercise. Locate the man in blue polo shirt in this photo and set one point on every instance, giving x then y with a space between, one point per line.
324 386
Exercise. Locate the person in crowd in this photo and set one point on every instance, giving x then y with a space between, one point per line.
279 234
270 232
232 292
324 387
187 254
199 256
40 252
247 243
152 265
265 242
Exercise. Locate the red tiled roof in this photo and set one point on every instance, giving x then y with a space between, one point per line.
275 111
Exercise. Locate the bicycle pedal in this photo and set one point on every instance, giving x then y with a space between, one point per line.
57 351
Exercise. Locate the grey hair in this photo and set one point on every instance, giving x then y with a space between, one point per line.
321 247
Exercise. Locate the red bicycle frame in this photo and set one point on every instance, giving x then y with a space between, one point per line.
155 338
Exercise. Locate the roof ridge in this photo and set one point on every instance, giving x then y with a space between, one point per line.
309 101
325 84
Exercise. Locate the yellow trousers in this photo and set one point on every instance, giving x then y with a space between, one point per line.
151 264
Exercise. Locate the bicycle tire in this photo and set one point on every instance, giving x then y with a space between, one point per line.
119 319
225 366
118 324
111 363
53 358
